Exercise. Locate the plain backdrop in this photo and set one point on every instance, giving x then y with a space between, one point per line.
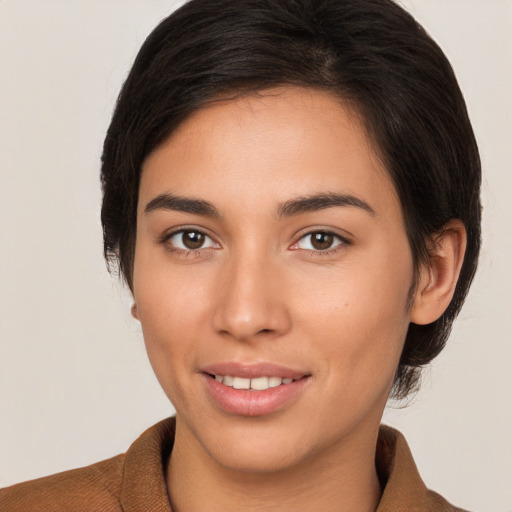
75 383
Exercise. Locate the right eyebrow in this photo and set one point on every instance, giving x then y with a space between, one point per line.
182 204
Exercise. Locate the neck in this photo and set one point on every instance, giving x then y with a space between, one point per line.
342 479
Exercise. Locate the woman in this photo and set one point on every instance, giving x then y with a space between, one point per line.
291 192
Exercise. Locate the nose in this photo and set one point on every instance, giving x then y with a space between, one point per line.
251 302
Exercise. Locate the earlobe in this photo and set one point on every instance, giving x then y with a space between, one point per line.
134 311
438 278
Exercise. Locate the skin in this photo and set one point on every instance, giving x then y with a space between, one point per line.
259 291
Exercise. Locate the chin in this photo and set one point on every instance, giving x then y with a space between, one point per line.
254 457
260 445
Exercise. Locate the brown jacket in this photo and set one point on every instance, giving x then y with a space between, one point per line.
135 481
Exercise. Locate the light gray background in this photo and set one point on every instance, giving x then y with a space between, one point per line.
75 384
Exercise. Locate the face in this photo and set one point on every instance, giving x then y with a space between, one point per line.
271 279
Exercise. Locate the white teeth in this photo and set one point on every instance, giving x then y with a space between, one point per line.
240 383
273 382
258 383
261 383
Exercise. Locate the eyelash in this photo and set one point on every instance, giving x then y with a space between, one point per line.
342 242
185 252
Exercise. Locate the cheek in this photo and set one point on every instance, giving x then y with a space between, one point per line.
173 317
359 318
168 297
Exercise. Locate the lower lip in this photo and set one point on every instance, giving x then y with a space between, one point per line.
244 402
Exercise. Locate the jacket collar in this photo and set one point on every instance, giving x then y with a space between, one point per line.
144 478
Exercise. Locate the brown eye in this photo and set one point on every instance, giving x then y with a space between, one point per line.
190 240
319 241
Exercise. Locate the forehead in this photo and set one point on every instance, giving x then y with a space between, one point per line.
264 148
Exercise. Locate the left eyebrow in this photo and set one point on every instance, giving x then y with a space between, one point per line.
321 202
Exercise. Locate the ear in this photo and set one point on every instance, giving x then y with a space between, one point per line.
439 276
134 311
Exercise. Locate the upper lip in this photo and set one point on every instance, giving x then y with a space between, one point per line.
252 370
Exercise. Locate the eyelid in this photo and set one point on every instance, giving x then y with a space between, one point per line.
343 240
166 237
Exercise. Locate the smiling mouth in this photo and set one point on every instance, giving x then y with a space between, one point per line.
253 390
254 384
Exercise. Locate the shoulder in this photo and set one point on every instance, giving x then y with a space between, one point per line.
127 482
95 487
403 488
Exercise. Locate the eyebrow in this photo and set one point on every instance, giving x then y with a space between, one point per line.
321 202
182 204
289 208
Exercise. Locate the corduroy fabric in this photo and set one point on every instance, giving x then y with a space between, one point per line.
135 481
